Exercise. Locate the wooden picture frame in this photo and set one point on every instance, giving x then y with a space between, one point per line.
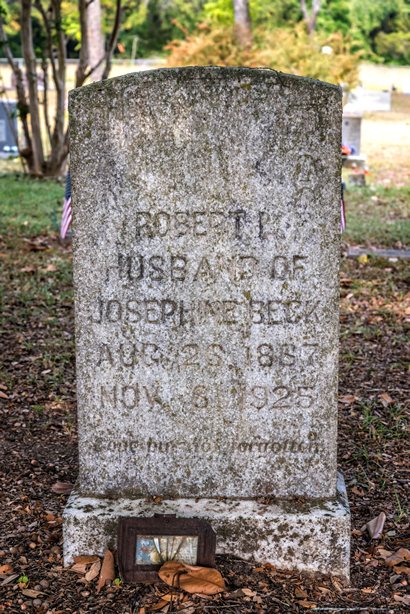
140 542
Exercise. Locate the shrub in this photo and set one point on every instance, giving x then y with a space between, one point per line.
394 46
286 50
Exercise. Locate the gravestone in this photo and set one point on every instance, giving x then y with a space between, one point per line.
352 130
206 256
370 101
8 129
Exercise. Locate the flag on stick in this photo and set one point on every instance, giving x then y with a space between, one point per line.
342 209
67 208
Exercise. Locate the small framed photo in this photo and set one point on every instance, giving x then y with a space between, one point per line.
145 544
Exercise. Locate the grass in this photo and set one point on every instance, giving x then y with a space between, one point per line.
29 206
378 215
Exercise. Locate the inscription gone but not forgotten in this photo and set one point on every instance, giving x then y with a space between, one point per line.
206 255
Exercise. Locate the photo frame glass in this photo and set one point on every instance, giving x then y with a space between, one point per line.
157 549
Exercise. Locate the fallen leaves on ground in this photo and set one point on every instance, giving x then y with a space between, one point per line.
28 592
375 526
402 554
83 563
386 399
193 579
107 573
62 488
94 570
348 399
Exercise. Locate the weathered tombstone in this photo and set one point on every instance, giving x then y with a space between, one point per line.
352 130
369 100
351 137
206 260
8 129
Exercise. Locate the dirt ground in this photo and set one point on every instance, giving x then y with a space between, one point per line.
39 448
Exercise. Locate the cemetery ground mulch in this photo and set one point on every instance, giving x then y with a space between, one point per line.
38 448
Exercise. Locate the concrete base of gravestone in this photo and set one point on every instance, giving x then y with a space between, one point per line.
304 536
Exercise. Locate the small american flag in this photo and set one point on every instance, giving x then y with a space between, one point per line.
342 209
67 208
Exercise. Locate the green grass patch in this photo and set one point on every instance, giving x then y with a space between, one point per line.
29 206
378 215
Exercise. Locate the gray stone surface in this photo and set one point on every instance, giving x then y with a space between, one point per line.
206 254
206 259
310 537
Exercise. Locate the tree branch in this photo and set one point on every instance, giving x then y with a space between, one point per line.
44 66
310 18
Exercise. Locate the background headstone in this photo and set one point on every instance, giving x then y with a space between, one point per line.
206 272
361 100
351 130
8 129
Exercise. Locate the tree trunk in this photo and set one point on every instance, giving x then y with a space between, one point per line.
242 18
310 18
31 71
22 104
96 50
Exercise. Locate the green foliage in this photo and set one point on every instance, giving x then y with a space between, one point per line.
291 51
267 13
370 18
378 28
334 16
155 22
394 46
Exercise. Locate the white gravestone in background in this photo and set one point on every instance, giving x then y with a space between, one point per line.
206 255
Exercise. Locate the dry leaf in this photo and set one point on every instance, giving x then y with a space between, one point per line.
86 559
9 579
386 399
28 592
401 555
348 399
93 571
28 269
80 568
3 395
5 569
375 526
192 579
307 604
358 491
248 592
383 554
402 569
300 593
2 387
107 570
50 268
368 590
62 488
402 598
